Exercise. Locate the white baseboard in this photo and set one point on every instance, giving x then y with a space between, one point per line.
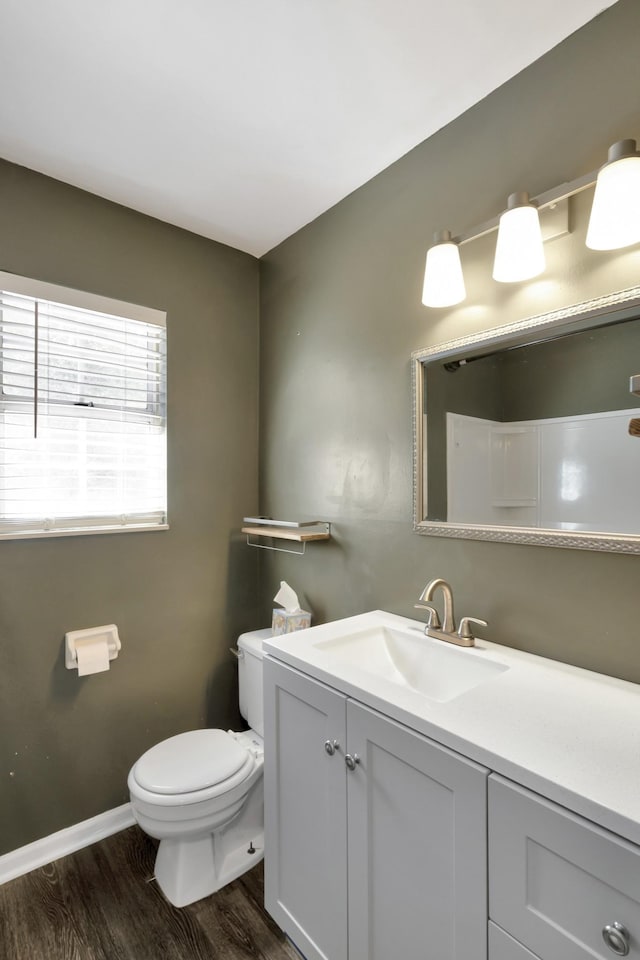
40 852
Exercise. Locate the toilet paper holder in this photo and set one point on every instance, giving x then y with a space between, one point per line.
109 632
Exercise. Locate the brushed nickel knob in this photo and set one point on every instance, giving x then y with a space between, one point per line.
616 937
352 761
331 746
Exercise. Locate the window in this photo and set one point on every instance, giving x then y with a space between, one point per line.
82 412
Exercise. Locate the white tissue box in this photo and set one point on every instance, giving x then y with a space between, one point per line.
285 622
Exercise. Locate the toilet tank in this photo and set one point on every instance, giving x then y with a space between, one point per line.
250 678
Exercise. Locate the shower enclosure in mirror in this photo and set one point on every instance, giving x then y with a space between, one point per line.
527 433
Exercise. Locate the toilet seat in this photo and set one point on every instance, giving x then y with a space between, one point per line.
191 768
190 761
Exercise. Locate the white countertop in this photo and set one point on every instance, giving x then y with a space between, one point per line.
569 734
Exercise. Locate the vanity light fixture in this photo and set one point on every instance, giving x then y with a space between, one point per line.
615 215
443 280
614 223
519 251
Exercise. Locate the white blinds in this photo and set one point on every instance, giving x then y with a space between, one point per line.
82 415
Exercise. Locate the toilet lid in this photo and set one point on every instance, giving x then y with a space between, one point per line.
189 762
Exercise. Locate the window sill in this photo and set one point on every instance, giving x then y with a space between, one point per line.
83 531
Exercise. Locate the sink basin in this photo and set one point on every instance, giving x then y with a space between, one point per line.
412 661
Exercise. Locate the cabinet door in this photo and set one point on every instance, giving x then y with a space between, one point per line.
305 812
417 846
504 947
558 883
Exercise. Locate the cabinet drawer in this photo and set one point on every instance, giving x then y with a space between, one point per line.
556 880
504 947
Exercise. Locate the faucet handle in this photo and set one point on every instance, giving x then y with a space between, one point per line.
464 630
434 619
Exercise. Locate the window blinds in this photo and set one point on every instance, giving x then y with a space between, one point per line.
82 414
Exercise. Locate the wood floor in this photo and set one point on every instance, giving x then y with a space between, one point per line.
100 904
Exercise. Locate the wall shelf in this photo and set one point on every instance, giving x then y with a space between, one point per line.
293 531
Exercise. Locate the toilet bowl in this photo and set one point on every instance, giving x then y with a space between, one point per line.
201 794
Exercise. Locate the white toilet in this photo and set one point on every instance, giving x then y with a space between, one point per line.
201 794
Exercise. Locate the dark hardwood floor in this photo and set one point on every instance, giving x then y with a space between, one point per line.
100 904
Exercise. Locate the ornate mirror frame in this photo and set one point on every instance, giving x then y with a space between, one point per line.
621 305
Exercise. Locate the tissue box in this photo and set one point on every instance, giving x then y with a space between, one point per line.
285 622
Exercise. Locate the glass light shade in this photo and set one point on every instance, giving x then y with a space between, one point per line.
519 250
615 214
443 279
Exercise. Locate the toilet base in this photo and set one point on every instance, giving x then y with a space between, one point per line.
190 868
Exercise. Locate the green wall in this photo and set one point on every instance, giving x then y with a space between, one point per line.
178 597
341 313
584 373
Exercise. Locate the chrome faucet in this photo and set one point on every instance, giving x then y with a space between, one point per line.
447 630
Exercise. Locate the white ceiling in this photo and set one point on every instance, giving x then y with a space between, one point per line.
242 120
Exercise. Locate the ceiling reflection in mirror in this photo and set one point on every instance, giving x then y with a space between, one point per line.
530 433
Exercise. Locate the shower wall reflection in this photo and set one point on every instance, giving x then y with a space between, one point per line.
536 436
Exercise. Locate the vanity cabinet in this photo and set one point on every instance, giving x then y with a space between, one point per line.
387 836
375 835
305 792
558 884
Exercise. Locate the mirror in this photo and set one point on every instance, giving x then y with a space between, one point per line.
529 433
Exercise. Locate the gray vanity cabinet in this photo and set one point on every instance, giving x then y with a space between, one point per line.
305 792
417 845
385 820
559 884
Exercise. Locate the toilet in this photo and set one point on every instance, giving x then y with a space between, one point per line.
201 794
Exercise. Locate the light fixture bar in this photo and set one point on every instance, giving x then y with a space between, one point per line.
546 199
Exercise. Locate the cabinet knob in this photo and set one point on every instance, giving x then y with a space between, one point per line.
616 937
352 761
331 746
